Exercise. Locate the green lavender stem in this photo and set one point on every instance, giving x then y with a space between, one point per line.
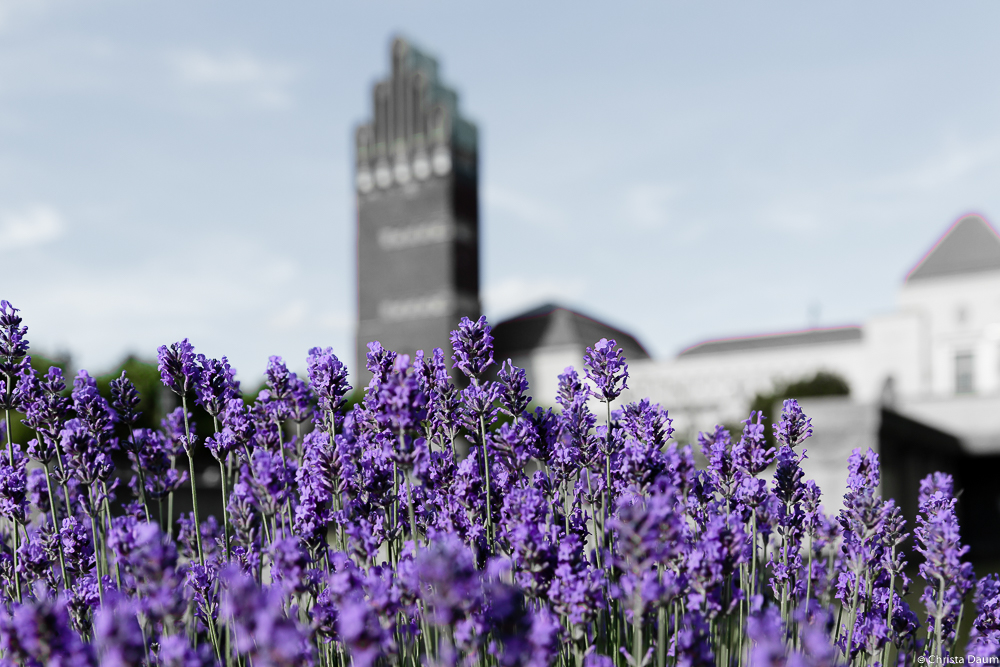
142 475
225 510
486 467
225 503
55 526
637 630
17 537
194 486
97 561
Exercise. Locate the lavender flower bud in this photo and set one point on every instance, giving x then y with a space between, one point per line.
216 384
328 379
606 368
984 638
794 426
13 355
125 399
751 454
178 366
14 490
938 540
514 382
473 346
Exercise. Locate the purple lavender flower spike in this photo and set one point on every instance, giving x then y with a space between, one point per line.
13 356
315 480
543 639
300 400
45 411
39 633
77 546
216 385
751 454
768 634
38 492
243 510
514 396
449 583
125 399
379 361
984 638
606 368
328 379
576 444
402 403
34 563
794 427
722 470
178 366
948 578
187 540
359 628
237 431
788 484
12 341
92 409
289 564
176 437
442 400
152 454
862 470
86 458
866 522
14 489
269 481
262 630
693 644
118 635
277 398
473 346
718 552
649 531
175 651
525 528
648 423
577 589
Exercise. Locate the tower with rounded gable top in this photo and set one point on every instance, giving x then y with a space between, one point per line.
417 186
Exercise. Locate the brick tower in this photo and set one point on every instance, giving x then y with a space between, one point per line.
417 185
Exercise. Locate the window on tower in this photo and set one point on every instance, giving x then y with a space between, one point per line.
963 372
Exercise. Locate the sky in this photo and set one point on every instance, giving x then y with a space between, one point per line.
682 170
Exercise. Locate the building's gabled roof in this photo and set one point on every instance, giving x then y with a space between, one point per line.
553 325
765 341
970 245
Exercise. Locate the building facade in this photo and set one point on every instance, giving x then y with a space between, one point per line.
936 353
417 184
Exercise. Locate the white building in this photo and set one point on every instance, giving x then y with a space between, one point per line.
924 379
936 357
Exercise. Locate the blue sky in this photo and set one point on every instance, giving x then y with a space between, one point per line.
683 170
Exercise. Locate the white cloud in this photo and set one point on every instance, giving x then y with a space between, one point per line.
524 207
517 293
238 73
647 204
31 226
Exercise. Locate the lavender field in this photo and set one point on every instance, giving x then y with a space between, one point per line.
573 536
